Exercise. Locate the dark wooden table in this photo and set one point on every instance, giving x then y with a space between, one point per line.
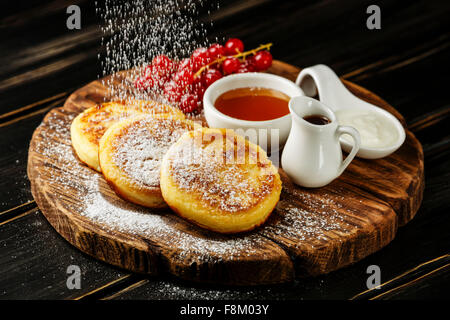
406 63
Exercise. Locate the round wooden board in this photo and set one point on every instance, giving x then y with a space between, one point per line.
311 231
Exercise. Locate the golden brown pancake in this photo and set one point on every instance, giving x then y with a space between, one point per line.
89 126
130 155
219 181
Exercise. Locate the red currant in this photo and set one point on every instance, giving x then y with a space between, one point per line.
189 103
185 64
263 60
249 64
242 70
183 77
162 62
211 76
148 79
175 66
147 73
233 46
231 65
197 87
198 90
216 66
173 91
160 72
216 50
139 84
199 58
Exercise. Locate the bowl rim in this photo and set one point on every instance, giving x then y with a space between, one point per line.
209 104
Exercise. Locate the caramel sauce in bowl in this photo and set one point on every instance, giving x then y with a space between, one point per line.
255 105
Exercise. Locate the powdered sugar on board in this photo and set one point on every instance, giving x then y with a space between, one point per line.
83 190
314 225
124 217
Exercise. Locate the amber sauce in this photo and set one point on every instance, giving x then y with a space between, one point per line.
317 120
253 104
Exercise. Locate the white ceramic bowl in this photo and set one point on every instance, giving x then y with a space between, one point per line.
366 152
265 133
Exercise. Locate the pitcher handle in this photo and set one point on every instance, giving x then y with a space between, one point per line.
356 145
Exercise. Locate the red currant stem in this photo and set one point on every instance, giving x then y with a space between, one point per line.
239 55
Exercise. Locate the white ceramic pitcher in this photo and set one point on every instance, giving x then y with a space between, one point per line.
312 156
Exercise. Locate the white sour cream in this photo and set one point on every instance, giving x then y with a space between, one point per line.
376 130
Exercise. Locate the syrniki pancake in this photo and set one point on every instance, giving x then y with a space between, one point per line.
90 125
219 180
131 152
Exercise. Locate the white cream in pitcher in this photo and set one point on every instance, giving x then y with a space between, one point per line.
373 127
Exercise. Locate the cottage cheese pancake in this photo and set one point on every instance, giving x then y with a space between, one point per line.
219 181
130 155
89 126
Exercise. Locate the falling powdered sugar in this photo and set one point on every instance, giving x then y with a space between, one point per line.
134 32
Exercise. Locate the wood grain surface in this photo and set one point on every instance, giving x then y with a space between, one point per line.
311 232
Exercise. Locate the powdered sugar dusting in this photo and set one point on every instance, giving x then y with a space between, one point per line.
312 225
83 190
204 168
121 216
142 145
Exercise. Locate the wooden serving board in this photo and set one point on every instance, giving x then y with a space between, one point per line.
311 231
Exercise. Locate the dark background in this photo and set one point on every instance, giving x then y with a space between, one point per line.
406 63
